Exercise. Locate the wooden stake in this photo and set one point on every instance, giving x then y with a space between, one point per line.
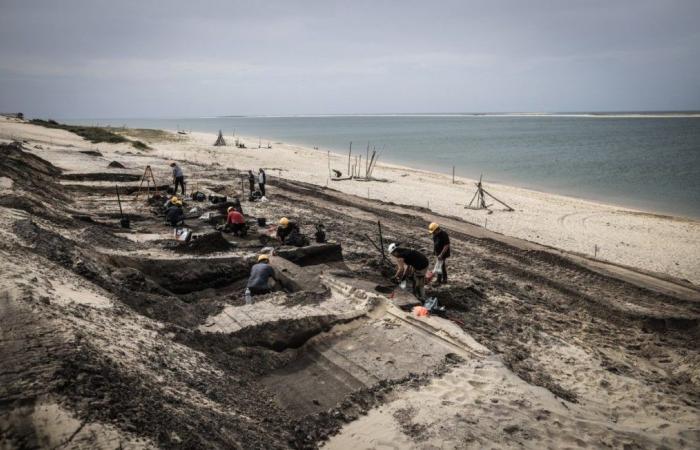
453 174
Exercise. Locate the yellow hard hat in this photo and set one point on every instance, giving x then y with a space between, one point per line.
432 227
174 199
284 222
263 258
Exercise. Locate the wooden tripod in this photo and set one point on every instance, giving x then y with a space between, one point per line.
480 198
148 178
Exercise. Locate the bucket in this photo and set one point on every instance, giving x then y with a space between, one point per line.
262 221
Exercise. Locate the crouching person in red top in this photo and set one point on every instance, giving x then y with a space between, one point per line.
235 222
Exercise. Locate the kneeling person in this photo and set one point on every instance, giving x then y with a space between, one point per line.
411 263
260 274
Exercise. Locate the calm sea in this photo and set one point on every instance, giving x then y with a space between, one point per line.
650 163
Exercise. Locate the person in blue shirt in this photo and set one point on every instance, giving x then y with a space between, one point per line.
260 274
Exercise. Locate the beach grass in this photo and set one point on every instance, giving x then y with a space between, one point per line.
95 135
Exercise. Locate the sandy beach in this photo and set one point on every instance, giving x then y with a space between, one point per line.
650 242
141 342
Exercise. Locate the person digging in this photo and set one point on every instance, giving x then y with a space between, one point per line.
289 233
235 222
261 275
174 215
441 248
410 264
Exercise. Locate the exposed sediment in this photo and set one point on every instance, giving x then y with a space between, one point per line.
152 345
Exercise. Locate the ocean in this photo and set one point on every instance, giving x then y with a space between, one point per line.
649 162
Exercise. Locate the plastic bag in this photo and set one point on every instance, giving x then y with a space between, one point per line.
183 234
438 267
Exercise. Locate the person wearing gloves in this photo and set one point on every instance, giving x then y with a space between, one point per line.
441 248
410 264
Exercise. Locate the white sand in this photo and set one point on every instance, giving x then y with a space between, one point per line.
662 244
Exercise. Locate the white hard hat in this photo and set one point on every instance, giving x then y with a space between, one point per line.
392 247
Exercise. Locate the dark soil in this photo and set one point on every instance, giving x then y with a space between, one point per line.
511 300
116 165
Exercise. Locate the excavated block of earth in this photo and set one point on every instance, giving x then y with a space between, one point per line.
296 278
186 275
312 254
101 176
205 243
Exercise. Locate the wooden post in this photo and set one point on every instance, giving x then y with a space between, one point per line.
381 238
349 155
453 174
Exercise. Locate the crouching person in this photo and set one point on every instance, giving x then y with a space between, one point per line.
174 215
289 233
235 222
262 277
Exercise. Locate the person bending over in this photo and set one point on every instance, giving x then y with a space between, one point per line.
260 275
441 248
410 264
286 229
235 222
174 214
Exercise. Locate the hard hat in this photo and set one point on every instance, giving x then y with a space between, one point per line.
284 222
230 208
263 258
174 199
392 247
177 202
432 227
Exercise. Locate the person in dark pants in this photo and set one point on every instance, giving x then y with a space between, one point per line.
235 222
260 274
441 247
251 181
262 179
178 178
413 264
174 214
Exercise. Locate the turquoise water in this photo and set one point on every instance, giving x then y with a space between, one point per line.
641 162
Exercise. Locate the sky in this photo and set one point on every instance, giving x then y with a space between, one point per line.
139 59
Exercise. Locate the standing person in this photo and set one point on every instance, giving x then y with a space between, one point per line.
262 179
178 177
410 263
260 274
251 181
441 248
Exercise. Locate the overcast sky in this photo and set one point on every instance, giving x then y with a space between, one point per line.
102 59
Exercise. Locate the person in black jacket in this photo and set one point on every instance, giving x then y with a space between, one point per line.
441 247
412 264
251 181
174 214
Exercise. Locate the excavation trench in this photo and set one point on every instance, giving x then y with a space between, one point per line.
101 176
